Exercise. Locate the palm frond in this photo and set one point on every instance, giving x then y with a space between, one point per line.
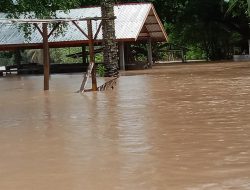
232 4
248 2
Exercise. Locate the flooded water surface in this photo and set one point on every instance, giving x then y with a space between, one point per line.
179 127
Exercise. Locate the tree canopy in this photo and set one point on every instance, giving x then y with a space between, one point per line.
41 8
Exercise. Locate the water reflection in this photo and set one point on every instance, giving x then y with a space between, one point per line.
173 127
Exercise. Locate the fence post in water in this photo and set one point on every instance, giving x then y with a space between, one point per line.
92 54
46 64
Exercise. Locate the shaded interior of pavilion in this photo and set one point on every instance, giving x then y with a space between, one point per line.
135 55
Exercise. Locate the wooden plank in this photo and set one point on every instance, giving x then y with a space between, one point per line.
144 35
38 28
81 30
86 77
92 54
98 30
55 27
48 21
160 23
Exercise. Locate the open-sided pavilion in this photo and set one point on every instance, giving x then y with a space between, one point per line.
135 22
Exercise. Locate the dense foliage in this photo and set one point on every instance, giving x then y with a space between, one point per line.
41 8
211 28
208 28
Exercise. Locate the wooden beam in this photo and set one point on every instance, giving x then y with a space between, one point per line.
81 30
84 56
76 43
155 31
86 77
38 28
151 22
48 21
92 54
144 35
55 27
98 30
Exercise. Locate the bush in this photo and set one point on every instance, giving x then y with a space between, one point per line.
100 70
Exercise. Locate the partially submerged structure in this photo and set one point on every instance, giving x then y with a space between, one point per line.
136 22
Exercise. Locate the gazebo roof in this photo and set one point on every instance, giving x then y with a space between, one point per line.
137 21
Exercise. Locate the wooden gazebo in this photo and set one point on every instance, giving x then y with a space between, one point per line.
135 22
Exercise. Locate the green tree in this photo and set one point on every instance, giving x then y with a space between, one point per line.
238 15
203 25
40 8
243 3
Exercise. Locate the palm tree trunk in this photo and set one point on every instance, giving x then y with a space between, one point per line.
110 51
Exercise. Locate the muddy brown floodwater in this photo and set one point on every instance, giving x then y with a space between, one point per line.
178 127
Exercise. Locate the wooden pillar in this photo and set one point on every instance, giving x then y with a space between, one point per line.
121 56
92 54
46 64
150 54
84 55
18 58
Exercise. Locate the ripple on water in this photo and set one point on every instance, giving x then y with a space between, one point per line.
241 184
176 128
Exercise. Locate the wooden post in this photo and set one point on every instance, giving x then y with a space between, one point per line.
150 54
18 58
46 64
84 55
121 56
92 54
